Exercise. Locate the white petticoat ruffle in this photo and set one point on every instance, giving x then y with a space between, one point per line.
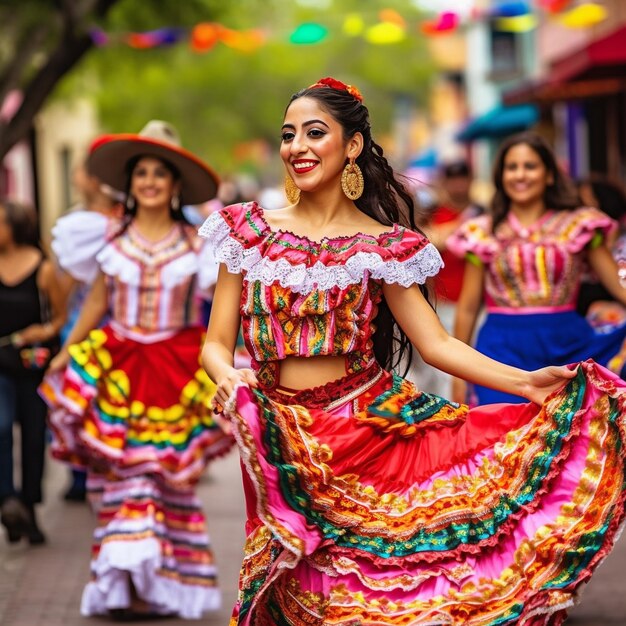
76 240
302 278
140 560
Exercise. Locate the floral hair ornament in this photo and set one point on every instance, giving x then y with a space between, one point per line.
337 84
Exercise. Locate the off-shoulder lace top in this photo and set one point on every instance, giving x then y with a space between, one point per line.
307 298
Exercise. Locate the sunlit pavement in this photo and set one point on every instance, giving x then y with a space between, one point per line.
43 585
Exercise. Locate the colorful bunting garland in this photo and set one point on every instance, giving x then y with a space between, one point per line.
391 27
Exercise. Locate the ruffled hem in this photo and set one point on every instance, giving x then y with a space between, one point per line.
141 560
573 229
506 527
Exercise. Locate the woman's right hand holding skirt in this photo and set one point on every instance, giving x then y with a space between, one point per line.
229 381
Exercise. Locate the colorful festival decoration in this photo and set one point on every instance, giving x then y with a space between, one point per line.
309 33
445 23
584 16
517 24
353 25
390 28
511 8
554 6
385 33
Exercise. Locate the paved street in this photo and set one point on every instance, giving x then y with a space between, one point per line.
43 585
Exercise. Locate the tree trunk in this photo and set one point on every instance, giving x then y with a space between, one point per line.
71 49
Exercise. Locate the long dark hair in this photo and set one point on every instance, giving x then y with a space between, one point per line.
22 220
561 195
385 198
130 209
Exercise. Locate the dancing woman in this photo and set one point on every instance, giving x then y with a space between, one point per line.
133 407
368 501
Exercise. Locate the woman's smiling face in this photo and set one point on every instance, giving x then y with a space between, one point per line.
524 175
312 147
152 183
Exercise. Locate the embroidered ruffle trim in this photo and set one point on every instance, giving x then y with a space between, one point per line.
576 229
302 279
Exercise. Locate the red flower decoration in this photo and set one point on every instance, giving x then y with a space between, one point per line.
333 83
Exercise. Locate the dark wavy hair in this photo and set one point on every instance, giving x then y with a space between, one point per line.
561 195
610 194
22 220
131 210
385 198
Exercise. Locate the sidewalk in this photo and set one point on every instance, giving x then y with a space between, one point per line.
43 585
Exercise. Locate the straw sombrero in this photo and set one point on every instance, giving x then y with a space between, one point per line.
109 155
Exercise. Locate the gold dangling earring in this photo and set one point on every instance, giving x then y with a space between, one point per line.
352 181
291 190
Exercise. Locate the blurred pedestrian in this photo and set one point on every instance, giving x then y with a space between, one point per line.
76 240
31 315
368 500
134 406
454 207
525 262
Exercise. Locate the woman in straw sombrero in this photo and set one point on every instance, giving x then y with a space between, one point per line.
129 401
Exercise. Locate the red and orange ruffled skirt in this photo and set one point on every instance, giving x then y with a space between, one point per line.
370 502
138 416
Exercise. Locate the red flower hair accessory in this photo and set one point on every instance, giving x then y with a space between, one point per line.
337 84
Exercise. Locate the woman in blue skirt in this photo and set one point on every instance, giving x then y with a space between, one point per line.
525 263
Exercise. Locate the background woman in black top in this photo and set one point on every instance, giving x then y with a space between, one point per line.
31 315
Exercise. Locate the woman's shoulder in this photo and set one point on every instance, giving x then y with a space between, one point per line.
578 227
243 222
474 237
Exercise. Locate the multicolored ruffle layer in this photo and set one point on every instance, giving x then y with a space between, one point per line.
392 506
136 408
157 538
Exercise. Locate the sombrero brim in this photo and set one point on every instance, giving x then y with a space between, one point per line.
109 155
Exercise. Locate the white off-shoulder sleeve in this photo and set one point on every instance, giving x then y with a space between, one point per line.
76 240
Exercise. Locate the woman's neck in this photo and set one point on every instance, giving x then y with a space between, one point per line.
528 213
153 225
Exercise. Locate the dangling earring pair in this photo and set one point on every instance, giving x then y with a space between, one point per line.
174 203
352 184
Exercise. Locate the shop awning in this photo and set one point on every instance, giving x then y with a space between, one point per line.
603 58
499 122
597 69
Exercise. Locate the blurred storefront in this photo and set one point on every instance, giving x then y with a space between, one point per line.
582 90
38 171
568 83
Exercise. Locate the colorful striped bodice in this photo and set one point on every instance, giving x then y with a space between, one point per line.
153 286
538 267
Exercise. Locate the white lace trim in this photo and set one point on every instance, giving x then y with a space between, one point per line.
302 279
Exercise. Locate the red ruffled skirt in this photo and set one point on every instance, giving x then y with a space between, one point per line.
138 417
370 502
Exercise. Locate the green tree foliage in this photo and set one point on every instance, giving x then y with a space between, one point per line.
42 41
224 97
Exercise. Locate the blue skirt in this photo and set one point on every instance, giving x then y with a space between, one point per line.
532 341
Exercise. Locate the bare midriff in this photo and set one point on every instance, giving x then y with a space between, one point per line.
298 372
